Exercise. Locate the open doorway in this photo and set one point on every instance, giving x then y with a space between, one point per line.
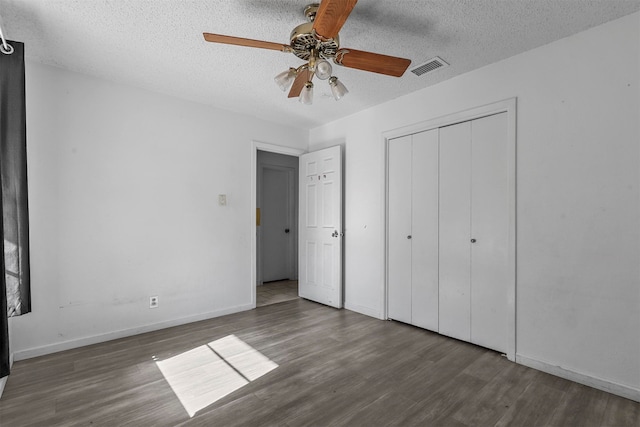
276 227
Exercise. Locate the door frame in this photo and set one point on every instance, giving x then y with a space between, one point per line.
505 106
273 148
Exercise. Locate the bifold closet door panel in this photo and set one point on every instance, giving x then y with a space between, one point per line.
455 229
490 229
424 249
399 229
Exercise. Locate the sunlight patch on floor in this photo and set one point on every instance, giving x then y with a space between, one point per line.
205 374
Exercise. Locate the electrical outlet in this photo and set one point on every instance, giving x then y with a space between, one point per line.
222 199
153 302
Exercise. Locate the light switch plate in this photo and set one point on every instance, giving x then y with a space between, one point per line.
222 199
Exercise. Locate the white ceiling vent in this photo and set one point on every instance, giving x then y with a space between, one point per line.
430 65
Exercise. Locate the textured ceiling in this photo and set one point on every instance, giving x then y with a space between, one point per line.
158 45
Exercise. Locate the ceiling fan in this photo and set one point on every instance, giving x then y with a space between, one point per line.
316 41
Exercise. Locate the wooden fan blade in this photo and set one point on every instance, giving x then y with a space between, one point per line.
374 62
331 16
239 41
296 88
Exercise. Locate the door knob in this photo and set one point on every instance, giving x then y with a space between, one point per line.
473 240
286 230
409 236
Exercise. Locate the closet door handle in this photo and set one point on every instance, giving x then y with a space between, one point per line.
473 240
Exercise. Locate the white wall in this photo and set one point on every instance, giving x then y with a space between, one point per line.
123 205
578 205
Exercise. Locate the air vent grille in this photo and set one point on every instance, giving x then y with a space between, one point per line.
430 65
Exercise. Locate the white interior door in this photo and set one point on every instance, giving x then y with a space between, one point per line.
455 231
275 224
320 227
399 230
424 225
490 231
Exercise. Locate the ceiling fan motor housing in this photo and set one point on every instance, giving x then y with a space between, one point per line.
303 41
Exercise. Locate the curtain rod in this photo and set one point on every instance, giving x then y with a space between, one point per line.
5 47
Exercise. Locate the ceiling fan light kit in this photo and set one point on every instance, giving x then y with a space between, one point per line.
316 41
285 78
306 96
323 69
337 88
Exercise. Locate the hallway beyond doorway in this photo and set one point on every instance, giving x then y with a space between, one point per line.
275 292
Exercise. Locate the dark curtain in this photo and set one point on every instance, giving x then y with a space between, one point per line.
4 320
16 298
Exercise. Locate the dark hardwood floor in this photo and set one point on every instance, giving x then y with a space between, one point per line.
334 367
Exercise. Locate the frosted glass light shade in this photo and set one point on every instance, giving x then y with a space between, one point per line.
285 79
306 96
323 69
337 88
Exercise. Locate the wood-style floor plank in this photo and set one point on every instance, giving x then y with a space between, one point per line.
581 406
493 400
621 412
334 368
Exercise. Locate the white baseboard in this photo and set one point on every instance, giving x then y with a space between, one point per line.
95 339
3 380
625 391
367 311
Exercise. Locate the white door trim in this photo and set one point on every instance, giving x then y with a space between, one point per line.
505 106
263 146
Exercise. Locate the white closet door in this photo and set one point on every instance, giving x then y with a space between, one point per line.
490 229
399 229
455 251
424 244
